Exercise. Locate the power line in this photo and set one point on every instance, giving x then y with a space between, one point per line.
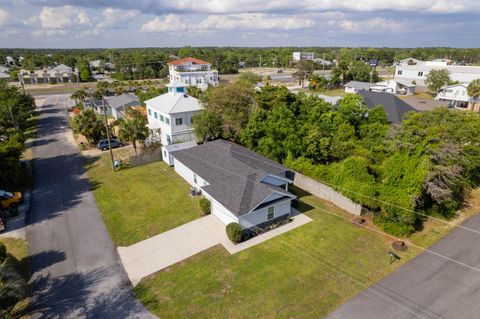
347 219
369 197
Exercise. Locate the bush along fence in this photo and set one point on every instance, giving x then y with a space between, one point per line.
325 192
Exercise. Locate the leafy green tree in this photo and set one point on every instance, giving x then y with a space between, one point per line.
10 151
207 125
234 104
436 79
134 128
15 108
151 93
304 71
89 124
249 78
353 108
84 71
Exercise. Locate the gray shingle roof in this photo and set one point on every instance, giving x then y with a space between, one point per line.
359 85
234 174
122 100
394 106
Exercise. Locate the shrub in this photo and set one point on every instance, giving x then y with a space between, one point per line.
234 232
3 252
205 206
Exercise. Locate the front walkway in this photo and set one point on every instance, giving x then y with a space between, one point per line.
161 251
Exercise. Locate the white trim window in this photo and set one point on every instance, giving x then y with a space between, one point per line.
178 121
270 212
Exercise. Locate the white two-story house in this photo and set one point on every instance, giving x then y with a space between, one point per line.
192 72
170 115
456 94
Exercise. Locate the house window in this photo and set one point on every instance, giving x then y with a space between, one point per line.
195 178
399 72
270 212
169 139
155 115
165 154
420 73
162 118
149 112
178 121
167 120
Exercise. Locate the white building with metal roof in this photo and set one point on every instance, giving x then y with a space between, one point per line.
419 72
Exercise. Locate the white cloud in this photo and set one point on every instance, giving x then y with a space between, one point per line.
113 18
377 25
167 23
244 21
4 18
255 21
63 17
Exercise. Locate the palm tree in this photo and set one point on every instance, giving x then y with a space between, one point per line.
134 128
80 94
473 90
90 125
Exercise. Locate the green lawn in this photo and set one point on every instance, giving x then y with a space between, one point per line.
141 202
334 92
304 273
18 248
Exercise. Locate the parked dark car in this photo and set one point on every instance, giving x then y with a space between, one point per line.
103 144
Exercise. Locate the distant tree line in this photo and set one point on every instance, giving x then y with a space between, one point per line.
147 63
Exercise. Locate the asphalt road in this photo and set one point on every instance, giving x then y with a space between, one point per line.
76 269
428 286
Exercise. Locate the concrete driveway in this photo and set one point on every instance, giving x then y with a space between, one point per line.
76 270
161 251
428 286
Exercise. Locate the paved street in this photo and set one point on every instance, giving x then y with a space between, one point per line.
428 286
76 269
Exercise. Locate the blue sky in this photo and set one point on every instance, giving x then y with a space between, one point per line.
159 23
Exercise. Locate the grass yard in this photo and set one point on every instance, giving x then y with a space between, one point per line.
140 202
334 92
18 248
304 273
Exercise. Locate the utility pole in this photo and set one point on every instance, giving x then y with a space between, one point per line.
108 133
13 119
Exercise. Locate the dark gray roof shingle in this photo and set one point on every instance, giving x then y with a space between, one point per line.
234 174
122 100
395 107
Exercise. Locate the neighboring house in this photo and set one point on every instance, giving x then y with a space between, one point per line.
323 62
400 87
394 107
95 64
192 72
60 73
170 115
4 72
117 106
419 72
303 56
355 86
242 186
456 94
